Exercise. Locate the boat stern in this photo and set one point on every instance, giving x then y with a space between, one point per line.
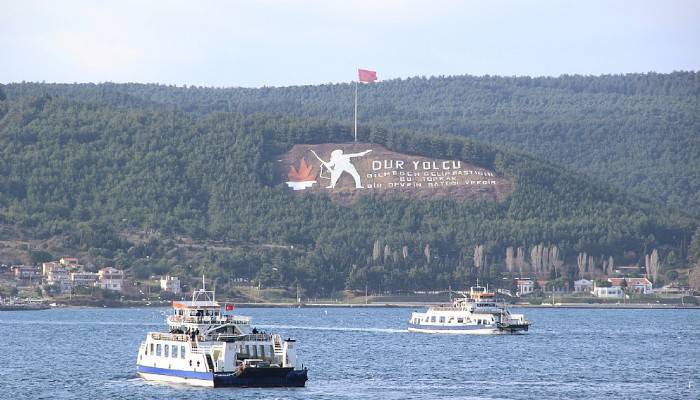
515 323
262 377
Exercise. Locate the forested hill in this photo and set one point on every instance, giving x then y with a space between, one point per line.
84 171
640 132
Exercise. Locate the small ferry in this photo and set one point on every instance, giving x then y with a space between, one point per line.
206 345
14 304
475 312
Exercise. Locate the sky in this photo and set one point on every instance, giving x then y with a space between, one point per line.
310 42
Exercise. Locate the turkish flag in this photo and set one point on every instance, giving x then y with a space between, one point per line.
367 75
229 307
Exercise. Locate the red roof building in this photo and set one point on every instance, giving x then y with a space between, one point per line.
634 285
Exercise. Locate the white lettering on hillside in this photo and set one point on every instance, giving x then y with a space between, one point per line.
429 173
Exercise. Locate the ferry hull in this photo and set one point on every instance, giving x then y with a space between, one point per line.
252 377
459 330
176 376
262 377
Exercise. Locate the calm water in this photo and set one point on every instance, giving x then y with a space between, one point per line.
366 353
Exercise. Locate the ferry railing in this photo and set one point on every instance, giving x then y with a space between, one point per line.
180 337
256 337
208 319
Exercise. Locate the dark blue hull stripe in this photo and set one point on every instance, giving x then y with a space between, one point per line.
451 328
207 376
292 379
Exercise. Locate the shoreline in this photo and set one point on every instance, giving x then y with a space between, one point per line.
396 304
422 305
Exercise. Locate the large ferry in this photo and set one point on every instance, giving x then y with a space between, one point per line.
208 346
475 312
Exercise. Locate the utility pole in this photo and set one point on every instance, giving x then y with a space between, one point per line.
356 111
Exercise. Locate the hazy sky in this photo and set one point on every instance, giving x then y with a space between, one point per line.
281 43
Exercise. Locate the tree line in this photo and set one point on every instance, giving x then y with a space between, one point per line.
86 170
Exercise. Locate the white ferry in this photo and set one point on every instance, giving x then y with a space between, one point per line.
207 346
476 312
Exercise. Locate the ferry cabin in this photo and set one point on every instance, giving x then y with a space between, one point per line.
206 318
481 317
453 318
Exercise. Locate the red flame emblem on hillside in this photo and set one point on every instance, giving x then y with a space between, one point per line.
301 175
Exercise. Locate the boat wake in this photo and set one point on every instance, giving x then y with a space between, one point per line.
75 322
334 328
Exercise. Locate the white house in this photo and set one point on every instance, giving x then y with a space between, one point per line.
47 267
170 284
83 278
612 292
525 286
57 274
583 286
110 279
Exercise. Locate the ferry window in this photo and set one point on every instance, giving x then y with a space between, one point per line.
151 348
451 320
432 319
174 354
158 349
460 320
442 319
166 353
182 351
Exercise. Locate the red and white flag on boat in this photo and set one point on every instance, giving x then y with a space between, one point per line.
366 75
229 307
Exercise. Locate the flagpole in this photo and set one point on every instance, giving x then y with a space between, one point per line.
355 111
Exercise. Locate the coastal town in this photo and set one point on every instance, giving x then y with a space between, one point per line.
64 279
68 282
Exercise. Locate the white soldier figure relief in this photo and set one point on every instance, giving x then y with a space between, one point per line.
340 163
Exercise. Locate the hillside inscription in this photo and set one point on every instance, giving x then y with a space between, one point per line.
346 171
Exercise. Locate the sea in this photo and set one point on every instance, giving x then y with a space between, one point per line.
366 353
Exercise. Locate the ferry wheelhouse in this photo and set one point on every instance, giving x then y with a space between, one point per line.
208 346
475 312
